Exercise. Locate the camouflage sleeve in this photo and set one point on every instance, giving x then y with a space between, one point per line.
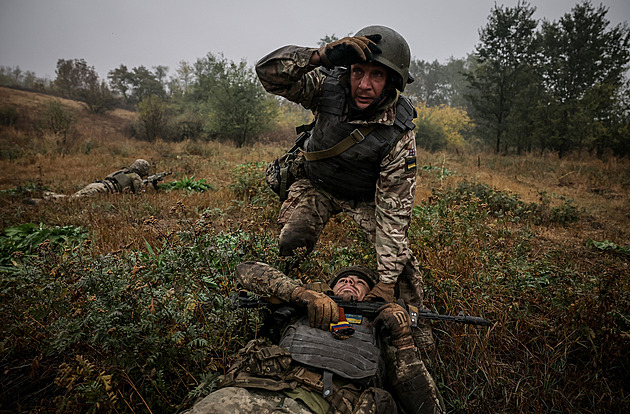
411 383
265 280
137 185
287 72
395 194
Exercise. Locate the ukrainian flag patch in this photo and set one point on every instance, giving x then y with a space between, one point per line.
410 163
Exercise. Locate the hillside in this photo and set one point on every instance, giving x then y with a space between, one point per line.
136 316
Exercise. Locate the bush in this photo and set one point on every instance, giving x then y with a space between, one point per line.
131 332
249 185
442 127
56 119
8 115
503 204
154 119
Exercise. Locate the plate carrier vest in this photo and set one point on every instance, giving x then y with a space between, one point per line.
357 358
351 175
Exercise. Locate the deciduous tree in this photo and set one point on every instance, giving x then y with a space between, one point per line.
503 58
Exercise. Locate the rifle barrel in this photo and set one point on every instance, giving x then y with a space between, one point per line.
370 310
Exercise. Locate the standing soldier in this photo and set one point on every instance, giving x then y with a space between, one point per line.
360 157
127 179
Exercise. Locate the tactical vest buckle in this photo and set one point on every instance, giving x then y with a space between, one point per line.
357 136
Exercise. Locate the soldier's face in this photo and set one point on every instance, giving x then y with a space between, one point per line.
367 81
351 288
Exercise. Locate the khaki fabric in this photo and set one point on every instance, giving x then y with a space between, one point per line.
234 400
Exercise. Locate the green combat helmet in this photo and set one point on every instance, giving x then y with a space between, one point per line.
362 272
395 53
140 167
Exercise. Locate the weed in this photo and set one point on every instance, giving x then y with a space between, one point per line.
147 324
23 240
189 184
607 245
248 184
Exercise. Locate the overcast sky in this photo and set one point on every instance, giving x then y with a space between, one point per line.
34 34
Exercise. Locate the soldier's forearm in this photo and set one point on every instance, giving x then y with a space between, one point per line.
289 72
265 280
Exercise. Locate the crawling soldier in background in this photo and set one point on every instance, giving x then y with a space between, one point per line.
127 179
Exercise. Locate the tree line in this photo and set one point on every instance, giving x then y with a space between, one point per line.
529 85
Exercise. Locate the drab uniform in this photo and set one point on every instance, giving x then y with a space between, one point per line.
385 214
116 182
363 373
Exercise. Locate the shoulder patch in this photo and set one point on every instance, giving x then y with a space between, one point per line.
410 163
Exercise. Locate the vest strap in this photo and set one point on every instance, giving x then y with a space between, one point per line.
355 137
123 180
327 380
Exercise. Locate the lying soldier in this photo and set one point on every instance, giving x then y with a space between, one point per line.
376 369
130 179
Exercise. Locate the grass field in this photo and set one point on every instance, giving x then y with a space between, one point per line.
130 314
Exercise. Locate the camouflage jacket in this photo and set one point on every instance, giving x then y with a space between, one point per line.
407 378
287 72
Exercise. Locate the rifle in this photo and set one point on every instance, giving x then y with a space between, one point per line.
280 174
370 311
153 179
355 309
305 132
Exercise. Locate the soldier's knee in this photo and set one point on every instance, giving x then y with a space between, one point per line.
296 238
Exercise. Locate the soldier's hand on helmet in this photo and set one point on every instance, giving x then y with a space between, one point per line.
381 291
396 319
349 50
322 310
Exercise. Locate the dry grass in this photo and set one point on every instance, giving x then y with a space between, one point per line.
525 363
600 188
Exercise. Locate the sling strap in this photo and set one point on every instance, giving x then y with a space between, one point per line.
355 137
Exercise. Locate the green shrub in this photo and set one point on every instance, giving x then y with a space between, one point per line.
187 183
22 241
154 119
127 332
503 204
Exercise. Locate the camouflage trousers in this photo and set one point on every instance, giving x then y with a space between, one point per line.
302 219
89 190
235 400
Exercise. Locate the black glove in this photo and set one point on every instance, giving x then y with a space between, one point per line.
349 50
397 320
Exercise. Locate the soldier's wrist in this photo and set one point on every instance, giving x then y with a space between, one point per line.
404 342
296 295
323 59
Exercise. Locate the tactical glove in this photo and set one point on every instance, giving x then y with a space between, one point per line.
349 50
396 319
383 291
322 310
